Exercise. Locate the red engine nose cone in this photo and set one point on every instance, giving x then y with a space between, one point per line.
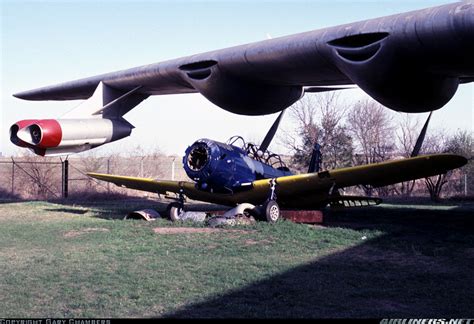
46 133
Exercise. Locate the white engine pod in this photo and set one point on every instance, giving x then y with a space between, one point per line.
93 132
68 135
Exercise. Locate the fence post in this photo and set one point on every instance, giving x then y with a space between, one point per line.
108 172
65 176
172 169
465 184
13 176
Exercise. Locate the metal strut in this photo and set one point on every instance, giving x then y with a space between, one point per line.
331 190
181 196
272 189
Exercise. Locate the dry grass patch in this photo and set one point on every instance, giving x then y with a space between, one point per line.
85 231
196 230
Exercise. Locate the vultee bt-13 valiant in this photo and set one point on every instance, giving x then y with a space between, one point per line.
256 179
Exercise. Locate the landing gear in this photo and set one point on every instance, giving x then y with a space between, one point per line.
176 209
272 211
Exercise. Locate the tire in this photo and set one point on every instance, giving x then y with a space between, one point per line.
272 211
174 211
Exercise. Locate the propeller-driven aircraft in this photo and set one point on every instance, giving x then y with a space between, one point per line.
411 62
231 174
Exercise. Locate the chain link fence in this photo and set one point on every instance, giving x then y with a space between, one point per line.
56 178
39 178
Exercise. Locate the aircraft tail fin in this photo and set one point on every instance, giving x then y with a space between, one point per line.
316 159
106 102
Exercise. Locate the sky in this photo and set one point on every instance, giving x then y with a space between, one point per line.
48 42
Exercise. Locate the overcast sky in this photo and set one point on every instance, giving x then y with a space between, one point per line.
47 42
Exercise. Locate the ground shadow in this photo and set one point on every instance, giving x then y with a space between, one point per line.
6 196
67 210
420 267
112 209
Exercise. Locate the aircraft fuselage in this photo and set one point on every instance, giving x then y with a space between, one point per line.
219 167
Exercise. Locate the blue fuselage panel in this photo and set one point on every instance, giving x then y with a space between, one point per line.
221 167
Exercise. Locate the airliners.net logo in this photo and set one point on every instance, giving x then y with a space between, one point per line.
427 321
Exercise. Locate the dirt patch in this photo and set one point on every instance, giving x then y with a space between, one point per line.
85 231
194 230
255 242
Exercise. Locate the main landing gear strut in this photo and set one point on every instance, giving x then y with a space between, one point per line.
175 209
270 209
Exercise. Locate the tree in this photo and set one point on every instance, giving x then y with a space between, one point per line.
319 118
408 130
38 176
462 143
437 142
372 129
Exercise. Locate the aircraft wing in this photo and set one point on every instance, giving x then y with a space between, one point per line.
164 187
304 190
409 62
375 174
308 189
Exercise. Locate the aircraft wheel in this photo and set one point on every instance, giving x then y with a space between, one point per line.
272 211
174 211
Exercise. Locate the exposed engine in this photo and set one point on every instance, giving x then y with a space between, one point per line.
220 167
63 136
198 157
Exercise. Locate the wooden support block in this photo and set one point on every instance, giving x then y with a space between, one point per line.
303 216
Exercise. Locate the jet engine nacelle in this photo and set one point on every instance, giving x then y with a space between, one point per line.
401 85
239 96
65 136
403 64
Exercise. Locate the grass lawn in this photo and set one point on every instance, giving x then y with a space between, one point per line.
82 260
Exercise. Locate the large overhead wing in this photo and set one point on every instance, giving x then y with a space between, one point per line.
304 190
409 62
